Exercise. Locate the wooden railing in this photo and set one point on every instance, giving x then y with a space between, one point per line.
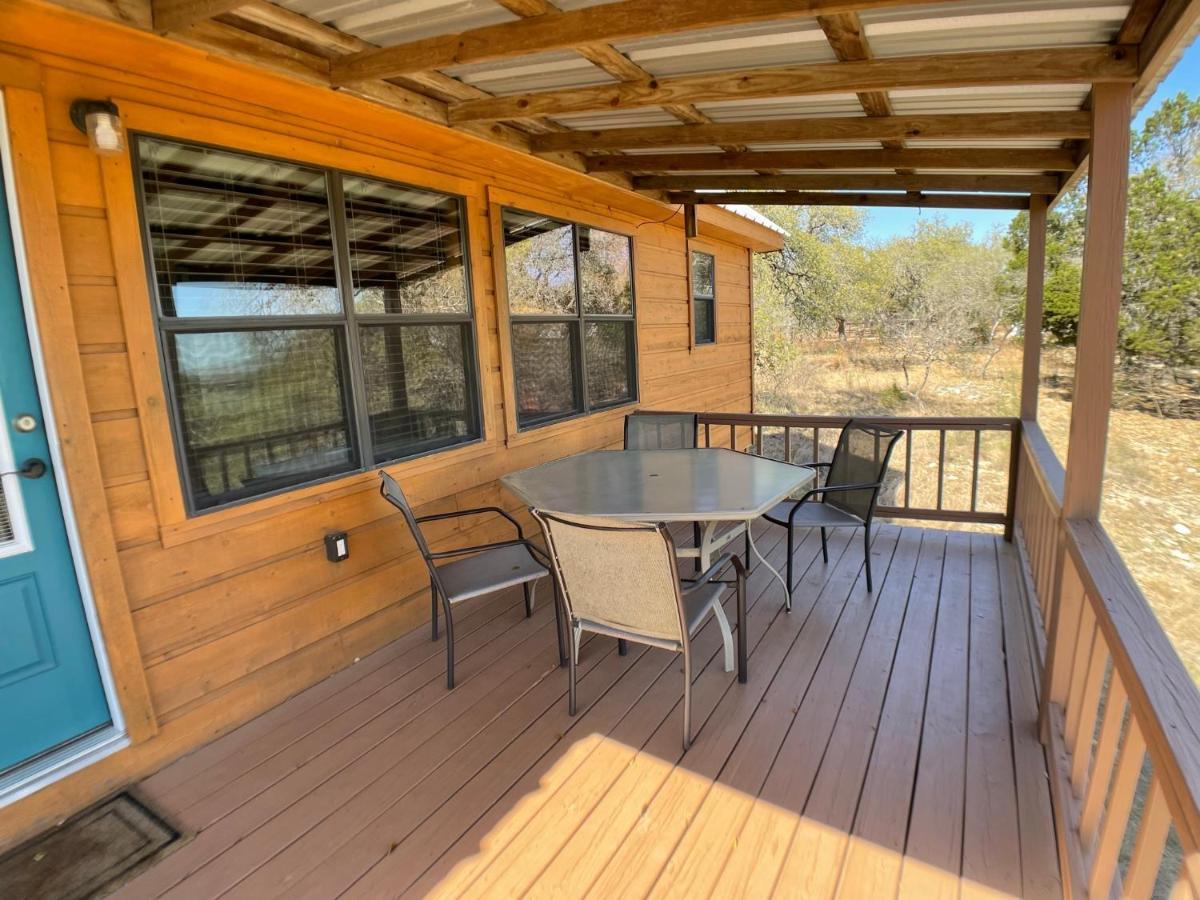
1120 713
912 491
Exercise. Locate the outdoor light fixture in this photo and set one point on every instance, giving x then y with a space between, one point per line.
100 120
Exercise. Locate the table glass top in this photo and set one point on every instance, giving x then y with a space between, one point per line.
659 485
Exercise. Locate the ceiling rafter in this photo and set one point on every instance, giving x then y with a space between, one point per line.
1053 159
1072 65
625 20
1007 125
845 198
852 181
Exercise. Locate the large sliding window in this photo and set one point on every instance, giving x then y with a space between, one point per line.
312 323
570 303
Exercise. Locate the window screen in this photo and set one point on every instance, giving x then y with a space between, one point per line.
570 298
285 364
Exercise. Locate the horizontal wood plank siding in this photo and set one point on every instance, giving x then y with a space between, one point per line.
238 611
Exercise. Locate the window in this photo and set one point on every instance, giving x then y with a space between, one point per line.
570 302
704 293
312 323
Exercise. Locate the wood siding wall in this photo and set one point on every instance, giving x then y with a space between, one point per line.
234 611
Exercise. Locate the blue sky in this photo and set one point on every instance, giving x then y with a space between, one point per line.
885 223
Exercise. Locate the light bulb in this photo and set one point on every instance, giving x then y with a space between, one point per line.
105 134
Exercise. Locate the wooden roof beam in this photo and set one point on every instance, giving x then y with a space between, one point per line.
818 198
851 181
1054 159
595 24
1046 125
1058 65
176 15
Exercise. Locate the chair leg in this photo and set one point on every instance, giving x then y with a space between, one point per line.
789 561
528 599
433 605
622 647
867 555
726 634
699 539
575 634
687 696
449 647
558 625
824 547
747 559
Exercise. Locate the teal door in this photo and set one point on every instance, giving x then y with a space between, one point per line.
50 689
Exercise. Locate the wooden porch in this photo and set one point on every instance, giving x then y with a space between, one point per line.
883 742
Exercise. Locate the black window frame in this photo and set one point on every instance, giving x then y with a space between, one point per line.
579 320
708 299
346 326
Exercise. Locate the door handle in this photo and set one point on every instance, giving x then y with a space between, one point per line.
31 468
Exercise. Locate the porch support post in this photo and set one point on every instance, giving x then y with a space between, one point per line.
1095 349
1035 277
1100 299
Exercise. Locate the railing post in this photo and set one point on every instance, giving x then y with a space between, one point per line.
1014 466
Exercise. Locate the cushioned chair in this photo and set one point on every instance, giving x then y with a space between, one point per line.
473 571
680 431
620 579
848 497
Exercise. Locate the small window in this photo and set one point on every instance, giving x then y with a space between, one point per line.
570 300
704 296
312 323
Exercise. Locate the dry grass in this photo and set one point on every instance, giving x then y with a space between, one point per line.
1151 492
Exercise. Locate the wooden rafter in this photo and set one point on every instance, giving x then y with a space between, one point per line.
1054 160
1047 125
1076 65
846 36
852 181
176 15
594 24
819 198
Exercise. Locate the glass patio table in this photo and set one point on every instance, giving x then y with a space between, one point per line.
708 486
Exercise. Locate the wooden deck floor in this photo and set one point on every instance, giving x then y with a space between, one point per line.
885 745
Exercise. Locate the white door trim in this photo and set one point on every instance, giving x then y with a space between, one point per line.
46 769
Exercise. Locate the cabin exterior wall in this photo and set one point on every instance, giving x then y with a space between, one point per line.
211 620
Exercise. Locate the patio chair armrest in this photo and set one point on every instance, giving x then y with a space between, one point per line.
712 571
479 510
831 489
460 551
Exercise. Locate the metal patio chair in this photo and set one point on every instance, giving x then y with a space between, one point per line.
484 568
680 431
621 579
848 497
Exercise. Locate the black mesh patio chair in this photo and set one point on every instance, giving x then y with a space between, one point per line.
680 431
847 499
482 569
621 579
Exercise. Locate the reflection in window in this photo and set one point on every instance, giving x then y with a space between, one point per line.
419 394
604 272
609 351
545 362
704 292
406 249
260 346
235 235
570 294
539 261
259 410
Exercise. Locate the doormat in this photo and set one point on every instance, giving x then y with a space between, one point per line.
86 856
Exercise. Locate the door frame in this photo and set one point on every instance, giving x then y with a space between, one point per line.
76 755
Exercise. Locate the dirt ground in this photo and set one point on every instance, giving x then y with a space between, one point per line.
1152 487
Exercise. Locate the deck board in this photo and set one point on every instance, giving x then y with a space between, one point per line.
883 744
